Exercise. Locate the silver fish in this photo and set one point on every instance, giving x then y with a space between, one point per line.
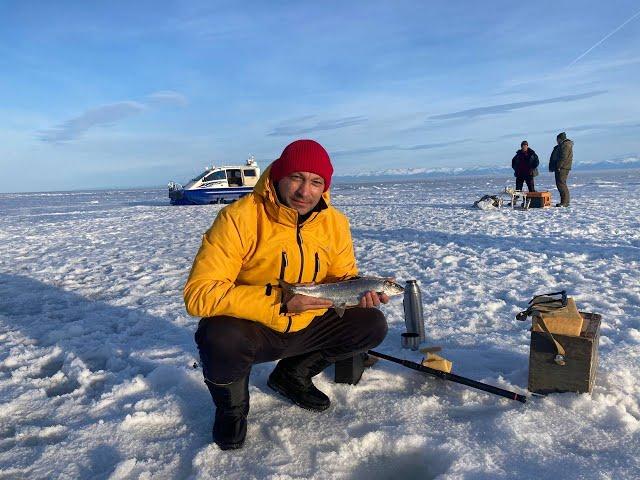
346 293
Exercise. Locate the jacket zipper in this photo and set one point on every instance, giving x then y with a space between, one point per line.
316 269
299 240
283 264
284 257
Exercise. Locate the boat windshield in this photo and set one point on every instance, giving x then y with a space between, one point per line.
217 175
199 177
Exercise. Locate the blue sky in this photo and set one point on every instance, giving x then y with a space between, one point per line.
103 94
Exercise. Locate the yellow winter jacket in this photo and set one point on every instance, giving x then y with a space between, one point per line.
255 241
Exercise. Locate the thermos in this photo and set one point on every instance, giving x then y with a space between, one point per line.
413 316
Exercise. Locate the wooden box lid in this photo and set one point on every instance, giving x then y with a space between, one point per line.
538 194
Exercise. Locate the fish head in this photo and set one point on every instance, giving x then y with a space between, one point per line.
392 288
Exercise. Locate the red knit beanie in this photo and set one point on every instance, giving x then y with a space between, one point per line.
303 156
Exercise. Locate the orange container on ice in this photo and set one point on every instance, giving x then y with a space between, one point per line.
539 199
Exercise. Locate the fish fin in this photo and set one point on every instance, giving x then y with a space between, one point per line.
287 290
286 286
340 309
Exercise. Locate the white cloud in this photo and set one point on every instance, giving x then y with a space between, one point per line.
99 116
509 107
108 114
594 70
302 126
168 97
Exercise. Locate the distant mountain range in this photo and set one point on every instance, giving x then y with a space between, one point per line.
626 162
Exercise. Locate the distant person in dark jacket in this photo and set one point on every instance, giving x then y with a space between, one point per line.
525 166
560 163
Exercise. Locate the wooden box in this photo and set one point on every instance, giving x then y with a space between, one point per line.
539 199
581 359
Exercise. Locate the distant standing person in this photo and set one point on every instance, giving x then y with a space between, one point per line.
560 163
525 166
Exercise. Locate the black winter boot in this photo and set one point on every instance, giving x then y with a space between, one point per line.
232 407
292 378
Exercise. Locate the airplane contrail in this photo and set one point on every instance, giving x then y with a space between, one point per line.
605 37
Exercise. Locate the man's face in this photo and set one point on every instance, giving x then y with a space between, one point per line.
524 147
301 191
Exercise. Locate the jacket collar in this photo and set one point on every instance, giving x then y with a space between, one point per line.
265 190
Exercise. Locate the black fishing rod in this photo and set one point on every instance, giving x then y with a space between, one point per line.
452 377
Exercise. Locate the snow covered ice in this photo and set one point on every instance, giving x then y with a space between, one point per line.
97 351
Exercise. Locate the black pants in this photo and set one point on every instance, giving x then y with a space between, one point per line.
520 181
561 182
229 346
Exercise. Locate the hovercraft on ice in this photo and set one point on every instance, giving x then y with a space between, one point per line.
217 185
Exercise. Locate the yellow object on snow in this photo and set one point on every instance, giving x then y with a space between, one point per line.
437 362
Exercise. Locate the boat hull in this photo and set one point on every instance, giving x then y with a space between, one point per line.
207 196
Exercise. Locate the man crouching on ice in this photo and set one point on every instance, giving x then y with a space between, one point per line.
286 229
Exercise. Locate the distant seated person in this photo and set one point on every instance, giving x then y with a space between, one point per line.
525 166
234 178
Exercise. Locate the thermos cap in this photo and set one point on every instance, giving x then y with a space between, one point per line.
410 340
